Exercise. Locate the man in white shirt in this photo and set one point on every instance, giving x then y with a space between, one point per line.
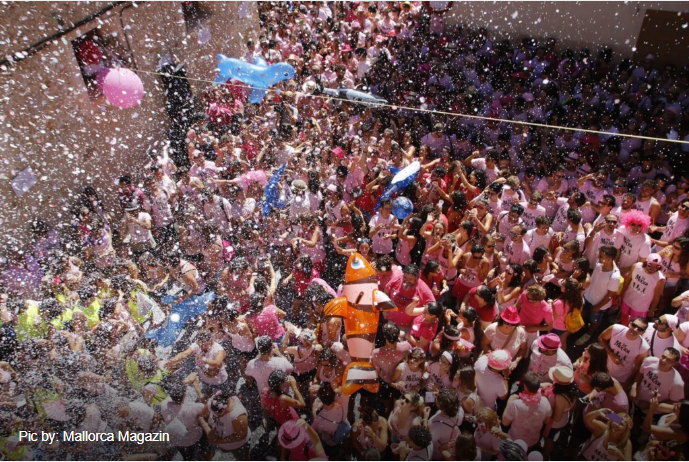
269 359
382 227
605 282
658 376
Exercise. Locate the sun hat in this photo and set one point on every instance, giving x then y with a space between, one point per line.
299 185
499 359
549 342
562 375
291 435
510 315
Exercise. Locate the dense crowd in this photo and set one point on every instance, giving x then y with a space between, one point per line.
540 281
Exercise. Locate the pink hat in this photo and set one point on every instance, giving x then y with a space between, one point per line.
291 435
654 259
499 359
510 315
549 342
346 48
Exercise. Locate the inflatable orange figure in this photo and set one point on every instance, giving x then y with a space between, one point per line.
360 308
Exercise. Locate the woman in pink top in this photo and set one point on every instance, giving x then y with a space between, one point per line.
570 299
266 321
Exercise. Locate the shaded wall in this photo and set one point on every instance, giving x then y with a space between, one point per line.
48 121
574 24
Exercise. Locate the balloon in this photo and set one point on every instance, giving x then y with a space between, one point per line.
89 53
402 207
272 192
262 77
400 181
122 87
353 95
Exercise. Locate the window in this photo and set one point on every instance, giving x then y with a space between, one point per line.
100 49
195 15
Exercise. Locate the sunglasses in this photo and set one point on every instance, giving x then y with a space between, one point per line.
491 246
684 207
611 222
548 352
636 225
638 328
406 400
662 323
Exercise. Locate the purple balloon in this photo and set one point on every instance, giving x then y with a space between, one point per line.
122 87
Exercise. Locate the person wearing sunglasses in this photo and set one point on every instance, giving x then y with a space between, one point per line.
515 251
642 289
635 243
626 350
593 187
603 233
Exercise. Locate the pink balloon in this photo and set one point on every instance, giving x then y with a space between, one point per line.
122 87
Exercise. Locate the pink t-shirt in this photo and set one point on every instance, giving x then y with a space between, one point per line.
533 314
421 329
385 360
527 420
403 297
267 323
559 312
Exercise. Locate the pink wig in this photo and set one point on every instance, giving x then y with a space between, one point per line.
636 217
257 176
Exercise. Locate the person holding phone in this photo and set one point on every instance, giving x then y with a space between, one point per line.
609 436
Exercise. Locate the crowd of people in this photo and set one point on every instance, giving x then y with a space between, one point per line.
540 281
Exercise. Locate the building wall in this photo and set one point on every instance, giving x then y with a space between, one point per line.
49 123
574 24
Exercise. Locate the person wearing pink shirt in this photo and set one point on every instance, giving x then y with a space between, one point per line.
386 359
266 320
425 324
527 414
402 290
535 313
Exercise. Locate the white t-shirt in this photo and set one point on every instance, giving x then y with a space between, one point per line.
515 253
259 370
627 350
378 243
641 289
529 216
186 414
444 429
669 385
602 282
541 364
224 427
489 384
633 247
498 339
675 228
600 239
212 352
138 233
535 240
656 344
527 420
480 164
560 221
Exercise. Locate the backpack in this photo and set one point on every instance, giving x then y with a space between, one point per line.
574 321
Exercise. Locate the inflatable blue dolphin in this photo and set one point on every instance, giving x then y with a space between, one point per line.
257 75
